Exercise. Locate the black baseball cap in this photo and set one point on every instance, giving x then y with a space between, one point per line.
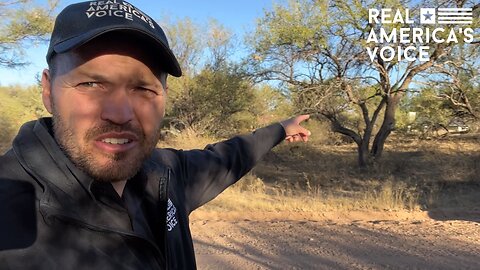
79 23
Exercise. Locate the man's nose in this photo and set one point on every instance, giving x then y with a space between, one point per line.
117 108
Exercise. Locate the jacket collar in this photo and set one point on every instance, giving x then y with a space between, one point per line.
35 146
68 189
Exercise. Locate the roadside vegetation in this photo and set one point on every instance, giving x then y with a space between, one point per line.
322 175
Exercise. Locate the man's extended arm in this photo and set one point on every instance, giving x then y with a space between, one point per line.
208 172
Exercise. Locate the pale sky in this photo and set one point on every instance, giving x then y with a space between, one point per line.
238 16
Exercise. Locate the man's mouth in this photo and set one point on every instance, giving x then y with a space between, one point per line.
116 141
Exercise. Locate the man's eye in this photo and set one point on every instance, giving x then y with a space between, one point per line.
147 91
89 84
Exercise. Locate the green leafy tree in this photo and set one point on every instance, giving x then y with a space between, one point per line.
213 95
218 102
316 49
17 106
187 43
23 23
429 109
453 93
460 86
271 104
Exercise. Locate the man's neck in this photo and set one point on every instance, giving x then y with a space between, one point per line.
119 186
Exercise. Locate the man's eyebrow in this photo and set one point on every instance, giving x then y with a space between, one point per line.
147 82
93 76
101 78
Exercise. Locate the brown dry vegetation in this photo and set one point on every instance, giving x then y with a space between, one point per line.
322 175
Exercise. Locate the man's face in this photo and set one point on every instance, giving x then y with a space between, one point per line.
107 102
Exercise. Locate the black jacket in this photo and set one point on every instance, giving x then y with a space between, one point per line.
84 224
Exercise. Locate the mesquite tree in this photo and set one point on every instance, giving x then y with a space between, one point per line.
317 50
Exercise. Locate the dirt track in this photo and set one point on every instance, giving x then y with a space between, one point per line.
359 241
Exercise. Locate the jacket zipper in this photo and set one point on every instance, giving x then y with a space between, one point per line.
163 189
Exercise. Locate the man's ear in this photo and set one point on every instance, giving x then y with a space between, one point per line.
47 90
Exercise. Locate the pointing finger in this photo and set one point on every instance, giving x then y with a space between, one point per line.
302 118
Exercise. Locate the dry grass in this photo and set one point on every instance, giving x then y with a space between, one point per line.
235 200
188 139
322 176
257 196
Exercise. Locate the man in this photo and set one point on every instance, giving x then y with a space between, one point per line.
106 198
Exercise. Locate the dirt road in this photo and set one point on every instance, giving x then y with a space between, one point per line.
333 241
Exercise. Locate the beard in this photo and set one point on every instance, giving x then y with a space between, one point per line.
119 166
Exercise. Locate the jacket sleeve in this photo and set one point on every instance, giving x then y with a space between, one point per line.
210 171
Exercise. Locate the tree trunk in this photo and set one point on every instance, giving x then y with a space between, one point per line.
388 125
363 155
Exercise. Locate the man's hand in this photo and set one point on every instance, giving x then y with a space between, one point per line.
295 132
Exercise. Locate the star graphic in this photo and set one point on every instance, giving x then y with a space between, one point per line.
428 16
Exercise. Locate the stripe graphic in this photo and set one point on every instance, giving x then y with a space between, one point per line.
454 15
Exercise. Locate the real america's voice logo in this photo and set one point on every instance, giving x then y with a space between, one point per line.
438 25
